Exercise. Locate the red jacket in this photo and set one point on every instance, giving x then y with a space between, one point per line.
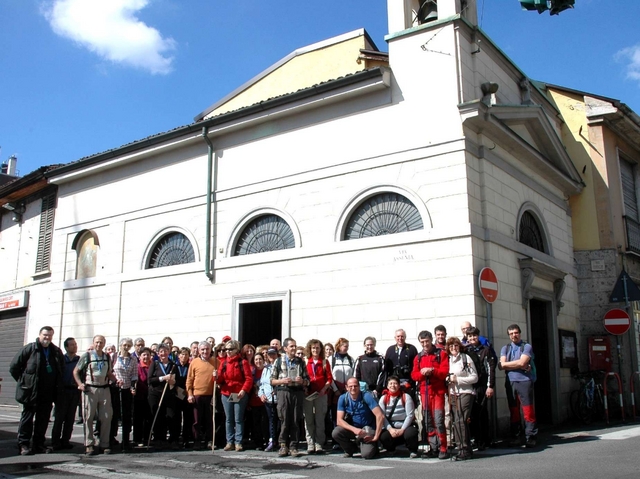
234 374
319 374
438 359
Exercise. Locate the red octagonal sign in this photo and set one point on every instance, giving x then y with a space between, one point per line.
616 321
488 283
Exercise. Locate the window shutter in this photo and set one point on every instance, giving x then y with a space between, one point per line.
45 235
629 190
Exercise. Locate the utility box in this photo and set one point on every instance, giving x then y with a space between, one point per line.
599 354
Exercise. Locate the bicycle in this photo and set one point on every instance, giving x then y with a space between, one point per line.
587 402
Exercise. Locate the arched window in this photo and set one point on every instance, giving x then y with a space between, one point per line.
530 233
383 214
265 233
172 249
86 246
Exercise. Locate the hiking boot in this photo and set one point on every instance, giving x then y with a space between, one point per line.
531 442
106 450
239 448
284 450
443 455
462 456
347 454
90 451
294 452
229 447
319 449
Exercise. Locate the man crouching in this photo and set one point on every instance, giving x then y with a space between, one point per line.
358 415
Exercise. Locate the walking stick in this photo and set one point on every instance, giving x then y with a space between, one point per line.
164 390
213 415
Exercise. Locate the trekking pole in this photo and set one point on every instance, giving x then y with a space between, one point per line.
84 419
164 390
213 415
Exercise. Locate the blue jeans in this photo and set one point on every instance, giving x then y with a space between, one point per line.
234 413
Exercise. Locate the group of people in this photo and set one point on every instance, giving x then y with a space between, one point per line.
275 396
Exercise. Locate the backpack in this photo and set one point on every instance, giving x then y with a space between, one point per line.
533 373
476 361
349 358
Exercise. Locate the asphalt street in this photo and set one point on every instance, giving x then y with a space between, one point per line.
564 452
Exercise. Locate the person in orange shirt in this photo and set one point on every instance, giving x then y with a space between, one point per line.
200 377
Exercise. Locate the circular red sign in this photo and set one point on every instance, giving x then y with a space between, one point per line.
616 321
488 284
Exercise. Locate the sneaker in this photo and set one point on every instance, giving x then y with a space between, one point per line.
294 452
269 448
284 451
462 456
210 445
239 448
25 451
413 455
531 442
443 455
106 450
319 449
311 449
90 451
229 447
347 454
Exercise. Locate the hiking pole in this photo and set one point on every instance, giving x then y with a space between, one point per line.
164 390
213 416
84 420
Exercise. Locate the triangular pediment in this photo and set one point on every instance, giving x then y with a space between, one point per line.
527 133
307 66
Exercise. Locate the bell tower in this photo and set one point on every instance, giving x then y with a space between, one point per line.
405 14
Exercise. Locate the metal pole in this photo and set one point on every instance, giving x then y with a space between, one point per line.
494 405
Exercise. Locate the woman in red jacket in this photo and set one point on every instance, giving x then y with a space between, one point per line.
234 377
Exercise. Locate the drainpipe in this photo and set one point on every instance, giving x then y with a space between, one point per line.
207 254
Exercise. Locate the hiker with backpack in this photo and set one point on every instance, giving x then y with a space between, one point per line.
399 361
485 362
235 380
516 358
462 379
370 368
430 369
399 419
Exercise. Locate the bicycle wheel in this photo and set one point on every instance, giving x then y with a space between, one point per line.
579 406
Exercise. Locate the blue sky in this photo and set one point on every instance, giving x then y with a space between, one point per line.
78 77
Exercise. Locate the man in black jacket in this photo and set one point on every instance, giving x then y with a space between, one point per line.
370 368
38 369
399 361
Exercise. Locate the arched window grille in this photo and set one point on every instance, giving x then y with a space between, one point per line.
170 250
383 214
530 232
265 233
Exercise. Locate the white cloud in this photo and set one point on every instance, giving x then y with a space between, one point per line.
110 29
632 56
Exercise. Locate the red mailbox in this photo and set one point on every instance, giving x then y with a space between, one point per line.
599 353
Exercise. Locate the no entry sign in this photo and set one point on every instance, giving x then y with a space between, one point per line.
488 284
616 321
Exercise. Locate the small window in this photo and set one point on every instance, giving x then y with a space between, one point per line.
383 214
172 249
265 233
86 246
530 232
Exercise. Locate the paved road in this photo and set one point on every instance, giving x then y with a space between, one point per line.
565 453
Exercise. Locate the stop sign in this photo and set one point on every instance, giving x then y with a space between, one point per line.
488 284
616 321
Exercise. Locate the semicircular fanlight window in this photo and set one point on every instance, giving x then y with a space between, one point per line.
172 249
530 232
383 214
265 233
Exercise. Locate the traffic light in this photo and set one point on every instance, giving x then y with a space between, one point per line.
554 6
538 5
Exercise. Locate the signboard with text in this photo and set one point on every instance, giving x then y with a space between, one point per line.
14 301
